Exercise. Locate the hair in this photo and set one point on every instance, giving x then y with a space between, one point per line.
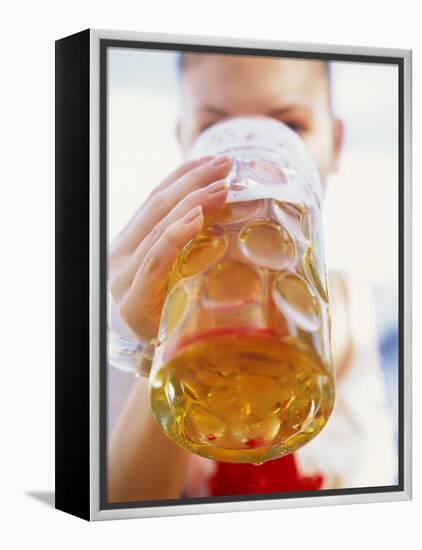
185 60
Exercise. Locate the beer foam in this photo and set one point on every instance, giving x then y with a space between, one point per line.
252 190
269 160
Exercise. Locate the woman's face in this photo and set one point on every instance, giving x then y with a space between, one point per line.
294 91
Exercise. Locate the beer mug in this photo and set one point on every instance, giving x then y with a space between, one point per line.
242 367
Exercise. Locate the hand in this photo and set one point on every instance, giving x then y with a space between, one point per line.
142 255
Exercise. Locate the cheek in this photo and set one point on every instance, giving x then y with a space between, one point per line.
319 147
187 136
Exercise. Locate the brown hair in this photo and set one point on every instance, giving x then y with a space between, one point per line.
185 60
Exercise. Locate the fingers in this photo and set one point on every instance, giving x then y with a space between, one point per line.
123 241
179 172
210 199
218 168
141 306
142 256
165 200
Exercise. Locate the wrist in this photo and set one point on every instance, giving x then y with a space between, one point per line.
124 351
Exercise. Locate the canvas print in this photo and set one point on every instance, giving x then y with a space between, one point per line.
252 274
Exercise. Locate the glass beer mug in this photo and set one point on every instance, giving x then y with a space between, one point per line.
242 367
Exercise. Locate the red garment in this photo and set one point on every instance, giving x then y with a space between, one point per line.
275 476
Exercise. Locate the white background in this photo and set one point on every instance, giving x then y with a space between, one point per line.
27 275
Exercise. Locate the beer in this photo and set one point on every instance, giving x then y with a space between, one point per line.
242 397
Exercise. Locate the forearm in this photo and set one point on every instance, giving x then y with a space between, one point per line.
143 463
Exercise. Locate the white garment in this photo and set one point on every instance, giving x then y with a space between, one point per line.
357 445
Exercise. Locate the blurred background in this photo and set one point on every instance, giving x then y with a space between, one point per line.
361 206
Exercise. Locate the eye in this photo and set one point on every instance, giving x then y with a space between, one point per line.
295 127
299 122
204 124
207 125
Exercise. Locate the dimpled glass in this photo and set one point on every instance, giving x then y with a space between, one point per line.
242 367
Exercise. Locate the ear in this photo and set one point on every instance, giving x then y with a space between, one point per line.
338 139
